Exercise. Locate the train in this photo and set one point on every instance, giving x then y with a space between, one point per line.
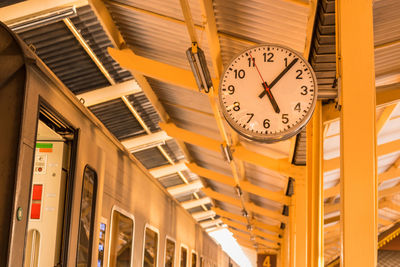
72 195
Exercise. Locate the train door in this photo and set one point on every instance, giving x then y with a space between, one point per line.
48 218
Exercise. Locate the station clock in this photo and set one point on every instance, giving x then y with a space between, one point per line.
268 93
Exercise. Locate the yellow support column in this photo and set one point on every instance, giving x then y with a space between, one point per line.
358 190
315 189
299 227
285 248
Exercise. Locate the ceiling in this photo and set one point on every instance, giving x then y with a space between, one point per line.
143 91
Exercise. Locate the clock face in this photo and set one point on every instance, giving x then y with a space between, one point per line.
268 93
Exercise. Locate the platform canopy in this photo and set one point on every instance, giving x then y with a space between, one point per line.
126 61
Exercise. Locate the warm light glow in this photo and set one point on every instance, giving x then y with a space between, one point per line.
230 246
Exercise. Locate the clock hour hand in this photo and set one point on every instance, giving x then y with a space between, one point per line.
271 97
279 77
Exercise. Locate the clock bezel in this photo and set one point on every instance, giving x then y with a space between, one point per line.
276 137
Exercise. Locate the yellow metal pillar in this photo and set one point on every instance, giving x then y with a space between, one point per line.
358 190
315 189
292 233
285 248
299 227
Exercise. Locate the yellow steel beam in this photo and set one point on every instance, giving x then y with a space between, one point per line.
189 20
243 227
390 205
245 185
388 175
384 118
107 22
257 239
385 95
315 188
249 206
155 69
279 165
212 36
358 165
383 149
310 27
242 219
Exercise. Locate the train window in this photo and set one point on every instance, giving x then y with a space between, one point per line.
87 215
169 253
150 247
194 259
121 241
49 203
184 256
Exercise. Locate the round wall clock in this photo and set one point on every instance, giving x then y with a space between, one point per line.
268 93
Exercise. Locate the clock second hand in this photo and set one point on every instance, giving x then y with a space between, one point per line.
279 76
266 88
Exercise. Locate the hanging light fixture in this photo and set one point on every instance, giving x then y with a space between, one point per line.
198 63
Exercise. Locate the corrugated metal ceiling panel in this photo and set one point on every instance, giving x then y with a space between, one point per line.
286 23
118 119
156 38
58 48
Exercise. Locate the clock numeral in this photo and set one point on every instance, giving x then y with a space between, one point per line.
236 106
239 74
285 59
297 107
285 118
231 89
266 124
300 72
252 62
305 90
251 116
268 57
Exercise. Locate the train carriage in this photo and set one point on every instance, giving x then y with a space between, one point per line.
72 195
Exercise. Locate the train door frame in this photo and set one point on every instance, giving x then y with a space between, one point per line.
154 229
44 106
165 249
110 236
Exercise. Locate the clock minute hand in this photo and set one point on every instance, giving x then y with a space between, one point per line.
279 77
266 88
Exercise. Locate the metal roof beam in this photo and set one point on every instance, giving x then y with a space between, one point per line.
392 173
257 232
385 95
382 194
195 203
135 144
27 9
107 22
159 172
279 197
383 149
155 69
248 205
260 225
210 223
183 189
257 239
202 215
109 93
281 166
